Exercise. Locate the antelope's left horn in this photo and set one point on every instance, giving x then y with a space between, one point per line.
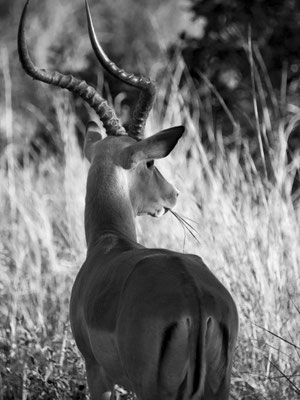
106 114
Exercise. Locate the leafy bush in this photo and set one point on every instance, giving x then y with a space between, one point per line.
35 366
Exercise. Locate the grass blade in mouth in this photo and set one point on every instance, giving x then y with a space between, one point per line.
186 225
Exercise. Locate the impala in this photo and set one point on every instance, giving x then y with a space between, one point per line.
156 322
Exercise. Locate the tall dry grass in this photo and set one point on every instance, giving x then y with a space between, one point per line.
244 227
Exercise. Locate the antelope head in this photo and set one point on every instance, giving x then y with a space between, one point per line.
122 163
130 163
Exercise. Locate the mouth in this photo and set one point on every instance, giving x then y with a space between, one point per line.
157 213
160 212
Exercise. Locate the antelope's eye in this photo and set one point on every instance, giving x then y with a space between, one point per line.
150 163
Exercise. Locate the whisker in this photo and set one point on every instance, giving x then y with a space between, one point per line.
190 219
182 225
186 225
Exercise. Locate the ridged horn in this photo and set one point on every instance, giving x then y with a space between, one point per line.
147 87
106 114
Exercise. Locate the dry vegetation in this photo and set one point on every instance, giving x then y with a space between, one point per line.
245 227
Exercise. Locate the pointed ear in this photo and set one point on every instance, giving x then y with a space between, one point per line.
154 147
92 136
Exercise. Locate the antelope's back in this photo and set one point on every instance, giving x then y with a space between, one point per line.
152 288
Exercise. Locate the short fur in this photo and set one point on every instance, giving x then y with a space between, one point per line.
156 322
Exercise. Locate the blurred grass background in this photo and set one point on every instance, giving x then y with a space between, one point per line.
246 223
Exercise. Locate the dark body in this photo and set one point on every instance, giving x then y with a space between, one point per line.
157 322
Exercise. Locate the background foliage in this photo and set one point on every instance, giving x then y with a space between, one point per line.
240 38
234 169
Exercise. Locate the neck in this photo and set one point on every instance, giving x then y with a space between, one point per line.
108 210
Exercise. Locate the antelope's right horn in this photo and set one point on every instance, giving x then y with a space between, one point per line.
147 87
